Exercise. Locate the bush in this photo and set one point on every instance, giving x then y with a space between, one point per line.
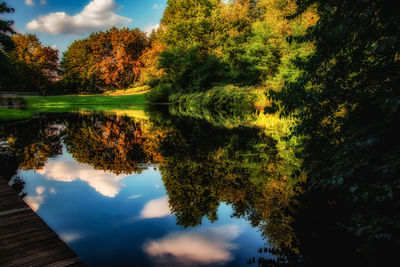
221 97
159 94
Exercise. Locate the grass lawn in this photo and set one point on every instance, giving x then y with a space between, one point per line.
85 100
13 114
129 91
68 103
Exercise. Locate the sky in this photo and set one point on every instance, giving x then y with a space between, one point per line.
58 23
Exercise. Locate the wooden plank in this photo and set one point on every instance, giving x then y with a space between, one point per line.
25 239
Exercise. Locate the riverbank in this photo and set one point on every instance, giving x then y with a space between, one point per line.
222 98
78 100
64 103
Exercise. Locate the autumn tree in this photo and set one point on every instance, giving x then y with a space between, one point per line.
35 65
117 53
151 73
104 59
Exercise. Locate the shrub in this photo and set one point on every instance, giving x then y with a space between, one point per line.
159 94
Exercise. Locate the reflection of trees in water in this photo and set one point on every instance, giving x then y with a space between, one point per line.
33 142
110 143
28 146
325 223
205 165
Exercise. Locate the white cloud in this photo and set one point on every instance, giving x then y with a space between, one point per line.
106 183
155 6
150 28
29 2
157 208
97 15
210 246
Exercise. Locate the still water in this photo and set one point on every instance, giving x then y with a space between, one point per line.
148 189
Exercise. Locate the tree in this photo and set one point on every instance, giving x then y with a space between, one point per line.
188 71
6 43
110 58
151 73
78 69
187 31
233 28
117 53
347 101
189 23
35 65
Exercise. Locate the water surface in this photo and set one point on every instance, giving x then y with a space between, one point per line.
144 187
148 190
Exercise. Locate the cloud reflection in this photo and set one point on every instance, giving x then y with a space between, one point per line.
135 196
157 208
106 183
70 237
40 190
209 246
34 201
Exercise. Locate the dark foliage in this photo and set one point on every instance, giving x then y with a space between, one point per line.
348 103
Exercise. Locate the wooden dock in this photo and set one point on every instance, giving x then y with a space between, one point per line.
25 239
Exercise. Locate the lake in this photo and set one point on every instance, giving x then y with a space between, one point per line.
143 188
167 187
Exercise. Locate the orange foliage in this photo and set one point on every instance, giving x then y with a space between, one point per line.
117 53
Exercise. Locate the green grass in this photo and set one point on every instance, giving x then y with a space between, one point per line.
84 100
66 103
13 114
129 91
87 102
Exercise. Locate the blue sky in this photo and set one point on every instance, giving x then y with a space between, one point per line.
59 22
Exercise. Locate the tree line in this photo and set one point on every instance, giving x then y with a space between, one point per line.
102 61
199 44
205 43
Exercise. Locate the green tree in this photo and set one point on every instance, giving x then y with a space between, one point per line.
348 101
78 69
189 23
188 71
233 28
6 44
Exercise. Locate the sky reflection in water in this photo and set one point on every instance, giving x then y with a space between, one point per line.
125 220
